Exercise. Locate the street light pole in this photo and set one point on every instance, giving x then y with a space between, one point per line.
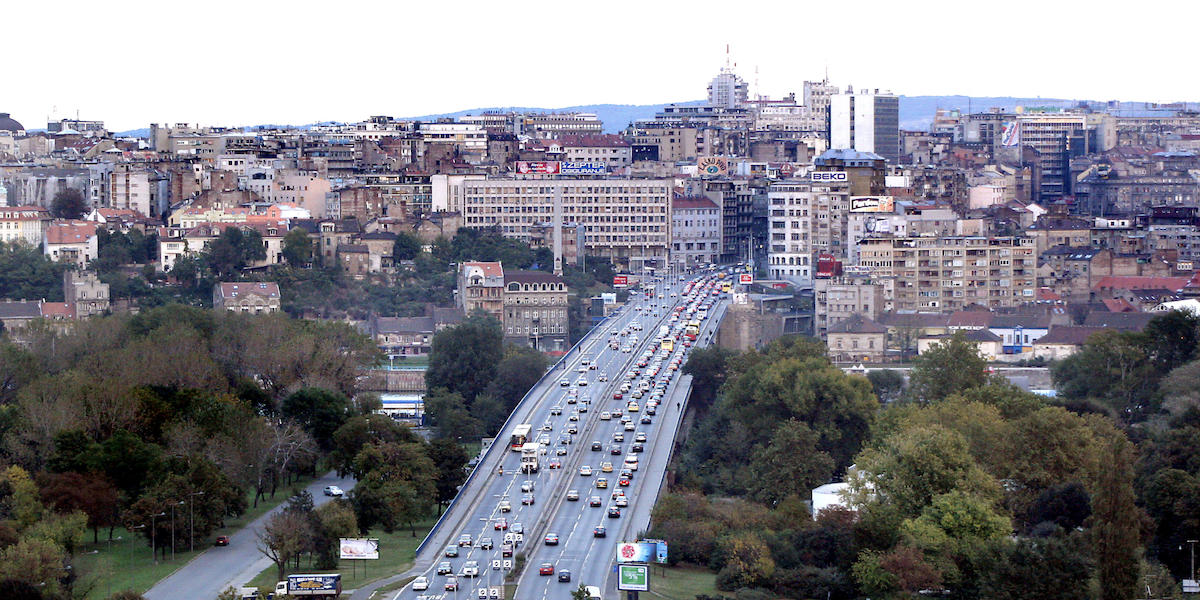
192 518
1192 543
132 542
173 529
153 531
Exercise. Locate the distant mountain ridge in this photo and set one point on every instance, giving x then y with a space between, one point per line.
916 112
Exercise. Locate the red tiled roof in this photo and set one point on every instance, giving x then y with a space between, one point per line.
490 269
970 319
1112 282
70 233
693 202
1118 305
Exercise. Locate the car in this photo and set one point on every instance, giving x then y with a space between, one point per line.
469 569
594 502
555 463
621 501
444 568
464 539
452 551
618 396
596 446
486 543
646 420
222 540
506 550
630 427
601 482
572 429
637 448
548 426
527 500
527 485
500 525
606 467
605 416
585 471
333 490
632 407
626 473
505 506
560 451
564 576
543 440
623 482
639 436
604 376
619 436
583 408
565 439
451 584
599 532
650 411
614 512
546 569
556 410
574 417
551 539
572 399
615 449
564 382
572 495
517 528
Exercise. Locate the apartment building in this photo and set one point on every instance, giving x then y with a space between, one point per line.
837 299
806 217
949 273
481 287
609 150
626 221
535 310
24 223
553 125
867 122
695 231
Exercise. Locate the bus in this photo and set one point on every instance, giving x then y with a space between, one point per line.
692 330
520 437
668 344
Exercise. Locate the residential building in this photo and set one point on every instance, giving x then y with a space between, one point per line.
837 299
247 297
1062 342
805 218
866 122
989 344
553 125
857 339
481 287
84 291
355 259
535 310
609 150
695 231
24 223
71 241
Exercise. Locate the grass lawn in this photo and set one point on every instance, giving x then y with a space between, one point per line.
125 562
682 583
396 554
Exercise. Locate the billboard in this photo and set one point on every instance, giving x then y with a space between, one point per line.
636 552
538 168
359 549
620 281
661 556
1010 134
712 166
609 298
633 578
871 204
582 168
746 278
826 176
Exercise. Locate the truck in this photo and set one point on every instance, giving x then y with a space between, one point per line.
664 331
529 457
320 584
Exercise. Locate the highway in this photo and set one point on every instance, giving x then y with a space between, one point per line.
478 513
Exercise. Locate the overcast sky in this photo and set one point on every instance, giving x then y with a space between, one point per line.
230 63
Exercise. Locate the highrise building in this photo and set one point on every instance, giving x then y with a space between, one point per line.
867 122
727 90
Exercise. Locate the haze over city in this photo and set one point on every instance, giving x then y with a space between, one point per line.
131 63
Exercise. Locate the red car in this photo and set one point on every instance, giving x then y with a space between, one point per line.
222 540
501 524
618 396
546 569
624 481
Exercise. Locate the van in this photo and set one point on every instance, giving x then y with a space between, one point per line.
593 592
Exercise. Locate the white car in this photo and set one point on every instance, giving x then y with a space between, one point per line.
333 490
420 583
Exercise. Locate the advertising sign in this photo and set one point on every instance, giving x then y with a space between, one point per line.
359 549
746 278
582 168
538 168
712 166
871 204
636 552
620 281
825 176
661 555
1010 134
608 298
633 578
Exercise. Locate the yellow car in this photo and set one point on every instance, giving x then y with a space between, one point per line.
602 483
632 407
606 467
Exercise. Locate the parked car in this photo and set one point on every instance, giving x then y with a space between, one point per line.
222 540
333 490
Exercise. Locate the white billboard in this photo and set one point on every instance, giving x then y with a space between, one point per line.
359 549
826 176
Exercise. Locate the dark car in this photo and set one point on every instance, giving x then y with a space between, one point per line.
564 576
615 449
599 532
597 446
614 512
222 540
637 448
646 420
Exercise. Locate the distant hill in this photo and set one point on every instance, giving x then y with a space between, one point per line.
916 112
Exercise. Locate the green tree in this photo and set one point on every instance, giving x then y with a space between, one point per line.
516 373
708 368
463 358
406 247
68 203
887 384
789 465
449 413
28 274
359 431
297 247
450 462
233 251
283 538
320 412
950 367
747 562
36 562
330 523
1113 368
1116 521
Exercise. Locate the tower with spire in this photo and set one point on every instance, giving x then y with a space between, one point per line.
727 90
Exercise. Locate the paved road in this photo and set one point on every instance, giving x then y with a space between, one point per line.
208 574
589 558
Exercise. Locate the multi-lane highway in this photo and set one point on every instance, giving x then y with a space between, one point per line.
587 443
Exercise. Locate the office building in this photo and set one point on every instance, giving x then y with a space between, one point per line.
867 122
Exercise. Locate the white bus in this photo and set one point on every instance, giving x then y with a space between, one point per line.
520 437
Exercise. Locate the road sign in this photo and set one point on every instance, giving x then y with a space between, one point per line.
496 565
746 278
633 578
508 564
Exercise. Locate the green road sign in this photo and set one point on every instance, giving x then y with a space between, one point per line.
633 578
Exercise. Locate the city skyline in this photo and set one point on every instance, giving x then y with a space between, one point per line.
239 64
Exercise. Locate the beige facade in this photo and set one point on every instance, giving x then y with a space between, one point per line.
838 299
24 223
481 287
249 297
805 218
535 310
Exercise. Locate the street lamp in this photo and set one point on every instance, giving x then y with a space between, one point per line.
192 518
153 530
131 545
1193 545
180 503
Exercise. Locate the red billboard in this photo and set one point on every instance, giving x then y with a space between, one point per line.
620 281
746 278
538 168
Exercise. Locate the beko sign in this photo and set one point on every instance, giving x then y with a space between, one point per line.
822 176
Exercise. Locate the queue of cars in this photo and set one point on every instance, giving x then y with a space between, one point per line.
645 382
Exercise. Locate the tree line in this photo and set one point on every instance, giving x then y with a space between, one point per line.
961 485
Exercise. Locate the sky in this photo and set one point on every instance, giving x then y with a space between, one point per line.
225 63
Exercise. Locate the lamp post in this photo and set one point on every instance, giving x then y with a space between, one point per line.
180 503
1192 543
153 531
192 518
131 544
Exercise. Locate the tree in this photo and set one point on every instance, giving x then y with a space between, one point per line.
887 384
789 465
359 431
331 522
233 251
320 412
1116 521
516 373
397 485
406 247
91 493
297 247
950 367
463 358
450 461
708 368
36 562
1114 368
747 562
449 413
69 203
283 538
